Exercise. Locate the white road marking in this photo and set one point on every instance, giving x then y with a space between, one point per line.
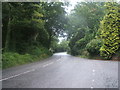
47 64
58 60
50 63
17 75
93 70
91 87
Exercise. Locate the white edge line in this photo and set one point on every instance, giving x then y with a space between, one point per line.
17 75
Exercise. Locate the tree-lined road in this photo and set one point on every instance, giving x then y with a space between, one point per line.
63 71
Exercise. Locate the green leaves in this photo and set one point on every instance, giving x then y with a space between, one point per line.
93 46
106 39
29 27
84 24
110 32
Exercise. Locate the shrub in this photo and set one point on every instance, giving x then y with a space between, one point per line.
10 59
81 43
110 30
74 51
79 46
38 51
93 46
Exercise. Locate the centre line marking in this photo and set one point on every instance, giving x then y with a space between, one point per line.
47 64
91 87
50 63
17 75
58 60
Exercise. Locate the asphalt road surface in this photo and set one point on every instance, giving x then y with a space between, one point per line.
63 71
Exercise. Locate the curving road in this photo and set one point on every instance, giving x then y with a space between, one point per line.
63 71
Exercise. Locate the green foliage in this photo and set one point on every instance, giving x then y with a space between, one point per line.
10 59
33 22
81 43
93 46
74 41
85 15
24 26
61 47
79 47
30 28
83 27
110 32
38 51
55 19
74 50
97 37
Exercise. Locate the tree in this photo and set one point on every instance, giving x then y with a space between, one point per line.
29 28
83 25
110 30
23 27
94 46
55 19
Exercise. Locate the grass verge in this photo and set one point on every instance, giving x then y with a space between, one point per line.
10 59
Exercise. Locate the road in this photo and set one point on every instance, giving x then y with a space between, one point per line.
63 71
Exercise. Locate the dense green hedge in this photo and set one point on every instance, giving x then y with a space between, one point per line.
110 31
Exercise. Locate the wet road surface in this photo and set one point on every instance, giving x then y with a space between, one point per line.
63 71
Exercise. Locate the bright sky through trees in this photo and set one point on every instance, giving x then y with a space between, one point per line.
68 10
71 7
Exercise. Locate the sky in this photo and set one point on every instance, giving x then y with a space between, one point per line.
73 3
68 10
62 38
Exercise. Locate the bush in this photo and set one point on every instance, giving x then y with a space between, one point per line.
81 43
38 51
79 47
94 46
110 30
74 51
10 59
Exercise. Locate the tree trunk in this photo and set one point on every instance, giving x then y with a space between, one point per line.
49 41
8 32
